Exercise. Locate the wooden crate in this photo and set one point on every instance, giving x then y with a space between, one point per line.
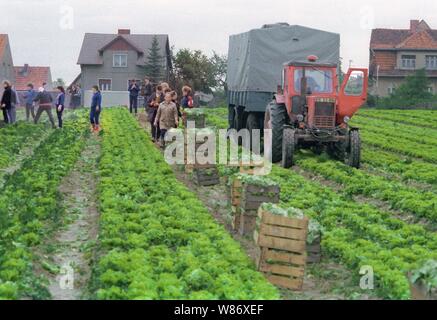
282 243
200 120
247 224
235 222
206 176
234 201
252 197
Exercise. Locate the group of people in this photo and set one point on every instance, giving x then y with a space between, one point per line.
43 98
161 105
45 102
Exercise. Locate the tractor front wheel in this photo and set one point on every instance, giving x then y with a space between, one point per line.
353 156
288 147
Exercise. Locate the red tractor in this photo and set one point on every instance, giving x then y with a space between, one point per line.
311 111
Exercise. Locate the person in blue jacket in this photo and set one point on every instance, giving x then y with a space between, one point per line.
60 104
134 91
30 105
96 108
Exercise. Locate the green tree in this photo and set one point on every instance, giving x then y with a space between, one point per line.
58 82
410 93
415 87
154 61
220 67
195 68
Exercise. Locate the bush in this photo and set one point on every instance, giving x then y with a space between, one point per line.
413 93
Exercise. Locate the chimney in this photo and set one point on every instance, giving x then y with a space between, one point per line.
123 31
25 70
413 25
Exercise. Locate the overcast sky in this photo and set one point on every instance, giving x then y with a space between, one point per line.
50 32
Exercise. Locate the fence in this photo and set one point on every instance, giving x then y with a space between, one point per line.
109 98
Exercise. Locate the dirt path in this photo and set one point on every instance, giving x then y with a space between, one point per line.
70 251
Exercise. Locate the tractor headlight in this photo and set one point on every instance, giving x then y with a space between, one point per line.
299 117
346 119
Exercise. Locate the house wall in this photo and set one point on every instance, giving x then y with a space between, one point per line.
385 83
119 76
109 98
420 58
386 60
7 66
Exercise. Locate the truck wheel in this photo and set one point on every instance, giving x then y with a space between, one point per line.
275 119
353 156
288 148
252 122
236 122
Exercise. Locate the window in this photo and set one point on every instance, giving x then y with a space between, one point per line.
318 80
105 84
430 89
408 62
355 84
120 60
391 90
431 62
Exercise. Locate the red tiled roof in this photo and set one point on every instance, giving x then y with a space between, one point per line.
419 36
4 39
35 75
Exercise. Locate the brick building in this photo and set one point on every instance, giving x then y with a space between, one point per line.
396 53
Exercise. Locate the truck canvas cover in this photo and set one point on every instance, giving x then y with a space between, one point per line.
256 58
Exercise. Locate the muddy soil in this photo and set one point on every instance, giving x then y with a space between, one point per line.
69 251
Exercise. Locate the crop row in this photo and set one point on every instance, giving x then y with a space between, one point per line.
424 136
431 122
13 138
399 145
403 166
28 204
413 113
359 234
355 182
217 117
157 240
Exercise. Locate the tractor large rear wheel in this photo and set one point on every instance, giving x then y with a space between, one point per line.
276 119
353 155
288 147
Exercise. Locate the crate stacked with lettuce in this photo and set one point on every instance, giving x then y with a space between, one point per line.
248 193
198 158
196 116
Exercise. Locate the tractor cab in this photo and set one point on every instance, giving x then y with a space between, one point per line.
314 99
312 111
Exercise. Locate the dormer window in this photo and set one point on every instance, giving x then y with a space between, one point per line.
408 62
120 60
